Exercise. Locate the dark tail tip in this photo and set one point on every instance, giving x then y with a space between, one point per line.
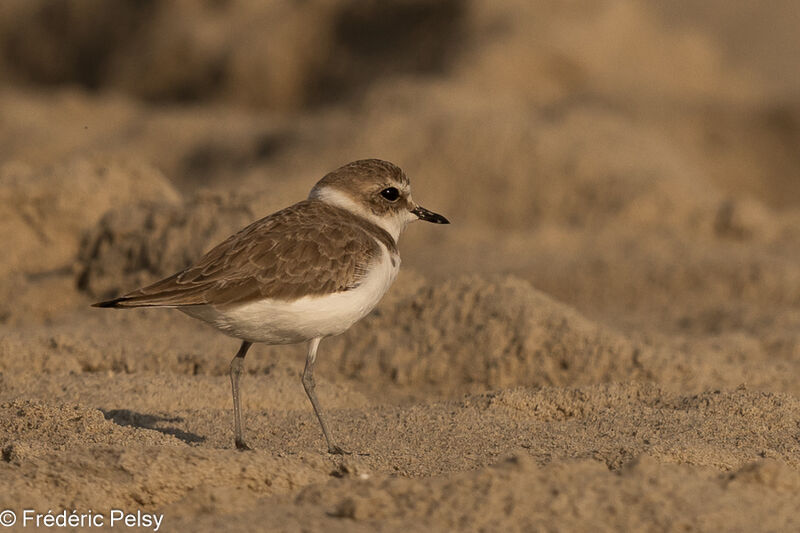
110 303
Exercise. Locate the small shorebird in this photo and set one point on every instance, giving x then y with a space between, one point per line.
307 272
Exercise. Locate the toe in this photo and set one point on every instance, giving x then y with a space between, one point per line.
335 450
242 445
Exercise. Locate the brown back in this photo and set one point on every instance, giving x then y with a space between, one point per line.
309 248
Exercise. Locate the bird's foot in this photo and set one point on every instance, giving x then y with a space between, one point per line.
335 450
241 445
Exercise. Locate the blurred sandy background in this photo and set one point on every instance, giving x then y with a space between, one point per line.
606 338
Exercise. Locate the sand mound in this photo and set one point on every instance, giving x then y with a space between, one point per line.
116 256
49 209
46 213
474 333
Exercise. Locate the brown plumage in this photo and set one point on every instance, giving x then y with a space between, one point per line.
339 245
277 257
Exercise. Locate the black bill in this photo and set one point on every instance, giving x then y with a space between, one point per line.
429 216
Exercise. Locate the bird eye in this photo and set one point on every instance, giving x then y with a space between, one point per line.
390 193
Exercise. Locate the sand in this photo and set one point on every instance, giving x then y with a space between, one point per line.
606 338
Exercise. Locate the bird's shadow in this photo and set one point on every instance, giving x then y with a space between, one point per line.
126 417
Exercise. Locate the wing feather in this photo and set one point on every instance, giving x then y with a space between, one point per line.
284 256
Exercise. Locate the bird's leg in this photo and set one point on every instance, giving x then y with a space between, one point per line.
237 365
309 385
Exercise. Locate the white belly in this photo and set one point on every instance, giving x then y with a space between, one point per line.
287 322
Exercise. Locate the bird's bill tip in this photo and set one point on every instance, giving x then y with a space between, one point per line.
429 216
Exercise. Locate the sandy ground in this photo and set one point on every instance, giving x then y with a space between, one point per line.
607 337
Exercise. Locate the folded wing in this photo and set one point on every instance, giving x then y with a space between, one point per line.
309 248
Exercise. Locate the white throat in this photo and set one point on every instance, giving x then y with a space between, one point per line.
393 224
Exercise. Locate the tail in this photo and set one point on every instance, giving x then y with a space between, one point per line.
159 299
129 302
164 293
117 303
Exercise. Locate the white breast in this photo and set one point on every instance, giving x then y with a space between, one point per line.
286 322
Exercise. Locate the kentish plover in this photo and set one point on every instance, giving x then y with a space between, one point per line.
301 274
